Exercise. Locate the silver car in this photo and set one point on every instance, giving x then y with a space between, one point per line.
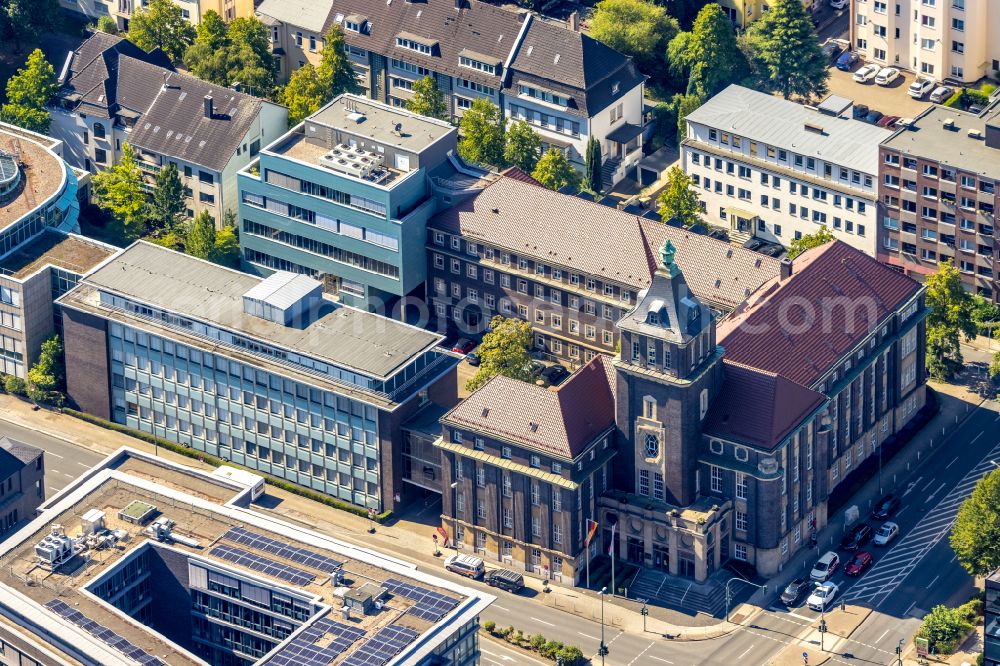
886 533
941 94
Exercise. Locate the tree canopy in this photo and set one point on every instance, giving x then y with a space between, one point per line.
161 25
118 190
482 134
522 146
592 176
975 537
25 20
787 54
335 69
504 351
821 236
639 28
200 241
28 94
48 372
679 199
709 54
427 100
949 319
167 203
239 52
554 170
309 87
304 94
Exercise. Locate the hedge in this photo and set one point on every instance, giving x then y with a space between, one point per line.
188 452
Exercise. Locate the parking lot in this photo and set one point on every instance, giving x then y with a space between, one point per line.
891 100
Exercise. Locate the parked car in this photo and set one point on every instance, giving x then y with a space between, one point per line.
794 591
886 533
847 60
861 561
537 367
823 596
472 359
465 565
505 579
859 111
772 250
920 87
857 537
831 50
753 243
873 116
942 94
886 75
554 374
825 567
866 73
838 4
463 346
888 121
885 507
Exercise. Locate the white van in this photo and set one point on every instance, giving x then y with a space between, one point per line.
465 565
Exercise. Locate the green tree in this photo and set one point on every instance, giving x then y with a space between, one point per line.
570 655
28 94
14 385
26 20
994 368
522 146
206 57
949 318
554 171
161 25
944 627
119 191
107 24
679 200
248 56
639 28
227 242
709 54
200 240
48 373
482 134
821 236
167 203
335 69
427 100
975 536
304 94
504 351
592 176
784 45
685 104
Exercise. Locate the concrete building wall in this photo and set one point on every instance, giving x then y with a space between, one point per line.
88 381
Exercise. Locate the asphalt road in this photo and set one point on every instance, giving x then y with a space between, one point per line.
919 570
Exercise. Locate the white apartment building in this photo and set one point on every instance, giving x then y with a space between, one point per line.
946 39
777 170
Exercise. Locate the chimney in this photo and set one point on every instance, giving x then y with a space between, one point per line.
786 268
573 22
209 111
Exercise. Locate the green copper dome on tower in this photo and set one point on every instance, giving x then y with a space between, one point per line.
667 252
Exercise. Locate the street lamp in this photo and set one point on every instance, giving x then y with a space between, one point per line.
729 595
899 652
603 649
822 621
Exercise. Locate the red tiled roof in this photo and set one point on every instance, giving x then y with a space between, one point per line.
778 406
560 422
801 326
517 174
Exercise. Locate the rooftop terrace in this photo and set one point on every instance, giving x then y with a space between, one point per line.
69 252
42 173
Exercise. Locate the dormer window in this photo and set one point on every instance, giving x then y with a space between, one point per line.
352 26
472 63
413 43
653 318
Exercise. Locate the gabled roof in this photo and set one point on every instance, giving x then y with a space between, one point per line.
605 242
560 422
845 292
14 455
758 408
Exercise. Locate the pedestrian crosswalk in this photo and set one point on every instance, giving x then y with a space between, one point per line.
893 568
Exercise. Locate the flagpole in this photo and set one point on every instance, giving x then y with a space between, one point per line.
611 551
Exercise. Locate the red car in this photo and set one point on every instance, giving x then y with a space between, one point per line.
463 346
888 121
861 561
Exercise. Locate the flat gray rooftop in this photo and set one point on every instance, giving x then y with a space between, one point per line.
343 336
363 117
929 138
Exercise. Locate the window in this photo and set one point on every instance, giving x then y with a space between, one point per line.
644 482
472 63
741 521
741 486
740 552
402 42
716 477
658 487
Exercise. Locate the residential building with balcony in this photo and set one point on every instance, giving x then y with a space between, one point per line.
345 197
122 10
703 439
41 257
773 169
583 268
268 373
566 85
951 40
938 189
22 484
115 93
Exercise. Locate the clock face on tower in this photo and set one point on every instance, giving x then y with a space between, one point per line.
652 444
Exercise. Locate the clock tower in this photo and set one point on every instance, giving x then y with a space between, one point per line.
667 373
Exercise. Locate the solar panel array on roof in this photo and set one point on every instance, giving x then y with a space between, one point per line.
303 651
263 565
430 606
275 547
382 647
104 634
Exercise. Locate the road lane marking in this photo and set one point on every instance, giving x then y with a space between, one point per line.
940 488
951 463
53 489
802 617
641 653
593 638
908 608
499 607
952 559
977 437
543 622
82 464
931 584
660 659
929 484
879 639
744 653
54 455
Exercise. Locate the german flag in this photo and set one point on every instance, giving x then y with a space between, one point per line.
591 531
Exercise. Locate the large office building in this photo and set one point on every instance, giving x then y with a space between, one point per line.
122 10
145 562
938 195
952 40
22 483
268 373
115 93
345 197
702 439
566 85
41 257
570 266
773 169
